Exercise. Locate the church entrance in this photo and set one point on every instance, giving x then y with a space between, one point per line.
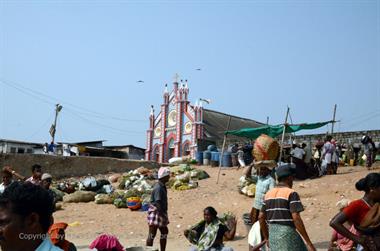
171 149
156 153
186 149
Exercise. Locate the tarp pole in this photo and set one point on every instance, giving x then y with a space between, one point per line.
283 134
224 144
333 121
291 134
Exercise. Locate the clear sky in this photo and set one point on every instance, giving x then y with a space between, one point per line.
256 57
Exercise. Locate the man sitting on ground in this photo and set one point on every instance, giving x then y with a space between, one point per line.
25 215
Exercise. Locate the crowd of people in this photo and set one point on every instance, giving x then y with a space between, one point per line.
314 160
325 157
27 206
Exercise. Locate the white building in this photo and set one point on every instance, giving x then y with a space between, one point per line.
20 147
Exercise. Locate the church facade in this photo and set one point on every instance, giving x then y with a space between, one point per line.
179 128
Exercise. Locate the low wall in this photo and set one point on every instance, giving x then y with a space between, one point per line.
343 137
60 167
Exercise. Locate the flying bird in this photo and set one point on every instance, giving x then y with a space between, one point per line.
199 69
140 81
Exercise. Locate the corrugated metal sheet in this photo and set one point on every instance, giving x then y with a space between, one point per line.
216 123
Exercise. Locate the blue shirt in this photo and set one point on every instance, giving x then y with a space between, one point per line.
47 245
263 185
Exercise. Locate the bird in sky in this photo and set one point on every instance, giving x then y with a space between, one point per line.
199 69
140 81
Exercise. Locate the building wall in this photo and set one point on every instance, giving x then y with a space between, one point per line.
18 148
135 153
60 167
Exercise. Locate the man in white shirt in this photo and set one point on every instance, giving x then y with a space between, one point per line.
297 152
36 175
327 154
298 155
7 179
26 214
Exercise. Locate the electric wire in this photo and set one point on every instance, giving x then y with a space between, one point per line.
84 111
91 122
42 126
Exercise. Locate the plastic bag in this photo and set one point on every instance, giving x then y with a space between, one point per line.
89 182
107 189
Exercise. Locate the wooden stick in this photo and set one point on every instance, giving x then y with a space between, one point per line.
283 135
224 143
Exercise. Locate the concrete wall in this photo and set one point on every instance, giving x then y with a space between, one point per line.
343 137
61 167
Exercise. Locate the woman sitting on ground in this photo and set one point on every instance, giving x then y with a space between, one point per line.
208 234
364 213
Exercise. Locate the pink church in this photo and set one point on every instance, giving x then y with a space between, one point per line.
181 129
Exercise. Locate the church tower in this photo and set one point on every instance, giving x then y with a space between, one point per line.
174 131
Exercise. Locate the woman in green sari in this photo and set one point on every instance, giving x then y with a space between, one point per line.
208 234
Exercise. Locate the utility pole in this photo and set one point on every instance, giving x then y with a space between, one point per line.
53 127
333 120
267 120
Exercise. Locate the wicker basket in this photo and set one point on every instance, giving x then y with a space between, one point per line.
265 148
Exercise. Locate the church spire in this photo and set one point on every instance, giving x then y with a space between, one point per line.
166 95
175 83
151 110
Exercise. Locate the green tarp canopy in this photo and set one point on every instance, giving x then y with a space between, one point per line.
275 130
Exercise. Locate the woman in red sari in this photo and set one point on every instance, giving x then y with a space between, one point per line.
363 214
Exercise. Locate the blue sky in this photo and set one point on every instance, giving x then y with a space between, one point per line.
257 57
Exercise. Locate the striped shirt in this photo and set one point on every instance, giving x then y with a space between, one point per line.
279 204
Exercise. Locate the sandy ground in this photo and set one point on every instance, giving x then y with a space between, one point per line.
185 208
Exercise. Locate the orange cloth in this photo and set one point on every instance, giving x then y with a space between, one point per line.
54 235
